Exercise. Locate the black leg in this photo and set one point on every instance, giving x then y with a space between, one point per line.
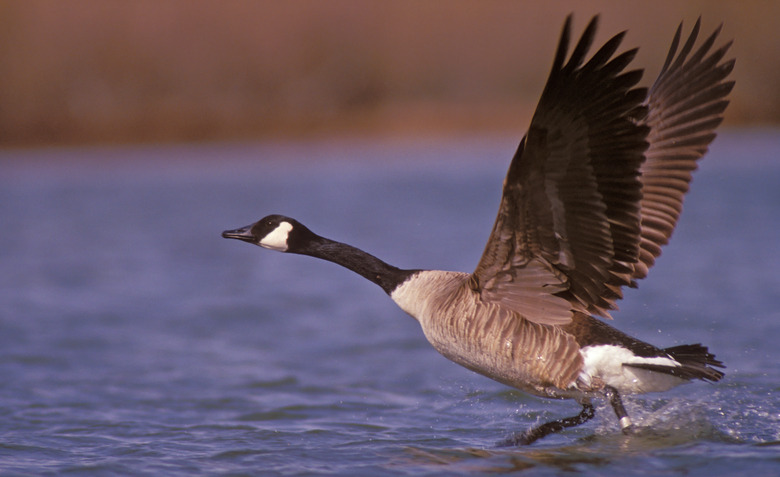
531 435
617 404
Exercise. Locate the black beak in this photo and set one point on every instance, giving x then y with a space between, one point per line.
244 234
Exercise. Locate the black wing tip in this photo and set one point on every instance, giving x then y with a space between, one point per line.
593 25
672 49
685 371
563 44
673 58
696 362
583 44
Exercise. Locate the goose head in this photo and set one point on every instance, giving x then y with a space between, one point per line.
275 232
283 234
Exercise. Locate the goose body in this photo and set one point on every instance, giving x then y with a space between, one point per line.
488 338
592 193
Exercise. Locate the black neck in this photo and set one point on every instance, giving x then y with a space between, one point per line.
366 265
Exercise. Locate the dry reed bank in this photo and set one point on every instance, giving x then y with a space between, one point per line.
94 71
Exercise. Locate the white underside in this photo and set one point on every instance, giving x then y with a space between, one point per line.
604 365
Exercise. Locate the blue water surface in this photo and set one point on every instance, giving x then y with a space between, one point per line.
134 340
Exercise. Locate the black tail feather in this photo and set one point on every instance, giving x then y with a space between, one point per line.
696 360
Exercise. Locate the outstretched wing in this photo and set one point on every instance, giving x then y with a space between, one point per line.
568 227
685 104
596 186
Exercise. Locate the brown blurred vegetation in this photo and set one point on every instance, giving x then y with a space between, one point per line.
163 70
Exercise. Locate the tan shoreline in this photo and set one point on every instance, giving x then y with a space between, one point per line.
97 71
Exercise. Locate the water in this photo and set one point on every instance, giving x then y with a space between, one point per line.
135 340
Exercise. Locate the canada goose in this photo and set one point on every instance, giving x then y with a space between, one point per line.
592 193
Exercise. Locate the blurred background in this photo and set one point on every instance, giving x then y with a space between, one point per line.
135 340
108 72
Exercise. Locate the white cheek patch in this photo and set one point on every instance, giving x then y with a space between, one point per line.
277 238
